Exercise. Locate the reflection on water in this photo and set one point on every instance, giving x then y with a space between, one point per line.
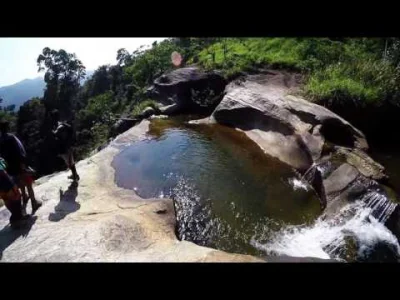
229 195
225 188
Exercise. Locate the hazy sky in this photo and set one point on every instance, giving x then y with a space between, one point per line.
18 55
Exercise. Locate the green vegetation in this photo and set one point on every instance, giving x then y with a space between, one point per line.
138 108
7 114
362 72
357 70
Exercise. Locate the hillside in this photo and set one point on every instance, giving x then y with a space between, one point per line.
20 92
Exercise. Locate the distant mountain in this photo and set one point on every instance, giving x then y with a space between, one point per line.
22 91
26 89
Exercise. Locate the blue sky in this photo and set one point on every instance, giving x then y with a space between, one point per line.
18 55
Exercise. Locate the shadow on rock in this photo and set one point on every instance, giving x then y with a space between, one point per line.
9 235
67 203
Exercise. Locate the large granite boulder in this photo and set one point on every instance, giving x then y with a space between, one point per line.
190 90
287 127
326 150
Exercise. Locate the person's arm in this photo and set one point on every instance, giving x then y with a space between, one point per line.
56 132
19 149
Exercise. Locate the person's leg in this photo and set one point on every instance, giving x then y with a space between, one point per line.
71 163
66 158
18 179
25 197
75 175
12 200
25 180
36 204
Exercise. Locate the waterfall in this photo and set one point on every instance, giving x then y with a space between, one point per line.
380 205
303 183
352 234
303 178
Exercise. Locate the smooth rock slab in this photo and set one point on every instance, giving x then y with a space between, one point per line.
100 222
340 179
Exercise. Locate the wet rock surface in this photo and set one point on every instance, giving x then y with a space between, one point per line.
341 178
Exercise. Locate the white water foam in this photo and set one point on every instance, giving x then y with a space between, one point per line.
298 184
325 238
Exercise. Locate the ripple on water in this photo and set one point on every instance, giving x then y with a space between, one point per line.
226 190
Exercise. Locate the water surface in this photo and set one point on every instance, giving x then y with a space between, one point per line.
226 190
230 195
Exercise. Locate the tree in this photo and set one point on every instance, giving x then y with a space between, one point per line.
100 82
29 126
63 74
7 114
123 57
98 110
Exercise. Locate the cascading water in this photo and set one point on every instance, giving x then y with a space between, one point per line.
351 235
380 206
298 184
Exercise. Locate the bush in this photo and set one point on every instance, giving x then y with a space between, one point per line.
292 53
138 108
336 71
98 110
361 82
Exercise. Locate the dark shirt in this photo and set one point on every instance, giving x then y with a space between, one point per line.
64 137
13 152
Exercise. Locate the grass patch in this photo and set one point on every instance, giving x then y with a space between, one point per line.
337 71
361 82
235 55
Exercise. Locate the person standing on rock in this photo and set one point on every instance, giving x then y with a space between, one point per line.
13 152
11 196
63 134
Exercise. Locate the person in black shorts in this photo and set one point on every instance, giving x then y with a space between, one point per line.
13 152
63 134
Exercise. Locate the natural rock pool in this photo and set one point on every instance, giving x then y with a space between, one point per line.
231 196
225 188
